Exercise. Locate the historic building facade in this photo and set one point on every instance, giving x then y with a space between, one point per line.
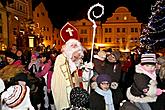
43 25
19 16
121 31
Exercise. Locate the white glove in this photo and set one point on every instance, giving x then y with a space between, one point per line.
89 65
114 85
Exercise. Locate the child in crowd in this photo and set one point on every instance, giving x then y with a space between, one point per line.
17 96
144 88
101 97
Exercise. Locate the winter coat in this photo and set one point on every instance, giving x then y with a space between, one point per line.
144 87
97 101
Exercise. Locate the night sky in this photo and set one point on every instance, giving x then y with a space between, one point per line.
60 11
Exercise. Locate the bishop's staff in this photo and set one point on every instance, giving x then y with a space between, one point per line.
94 28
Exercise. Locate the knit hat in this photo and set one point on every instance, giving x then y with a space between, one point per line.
2 85
148 58
161 60
103 77
79 97
14 95
102 54
33 56
116 54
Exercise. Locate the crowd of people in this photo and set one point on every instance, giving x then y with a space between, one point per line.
47 79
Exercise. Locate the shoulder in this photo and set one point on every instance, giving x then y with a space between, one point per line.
61 58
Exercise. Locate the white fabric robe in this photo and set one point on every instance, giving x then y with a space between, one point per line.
61 83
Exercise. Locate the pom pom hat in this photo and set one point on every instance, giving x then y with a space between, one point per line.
102 54
148 58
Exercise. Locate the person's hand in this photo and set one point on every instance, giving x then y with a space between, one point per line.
114 85
94 78
159 91
94 85
89 65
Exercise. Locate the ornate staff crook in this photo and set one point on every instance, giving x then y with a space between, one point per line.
94 23
94 30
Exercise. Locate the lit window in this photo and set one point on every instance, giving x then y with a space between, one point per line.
125 17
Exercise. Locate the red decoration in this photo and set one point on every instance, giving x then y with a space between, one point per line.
68 31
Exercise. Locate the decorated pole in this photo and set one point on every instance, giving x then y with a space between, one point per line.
94 23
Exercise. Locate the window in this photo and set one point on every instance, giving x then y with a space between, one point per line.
42 13
132 29
117 40
85 40
83 23
125 17
83 31
131 40
123 29
136 29
117 18
118 29
106 30
37 14
123 39
0 29
109 40
47 29
110 30
46 37
106 40
49 38
21 7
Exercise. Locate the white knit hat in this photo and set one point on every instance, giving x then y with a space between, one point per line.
148 58
2 85
17 97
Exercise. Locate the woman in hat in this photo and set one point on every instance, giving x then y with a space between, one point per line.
113 69
101 97
144 88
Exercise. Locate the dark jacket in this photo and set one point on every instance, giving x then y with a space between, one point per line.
97 101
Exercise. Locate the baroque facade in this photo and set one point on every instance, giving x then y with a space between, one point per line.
121 31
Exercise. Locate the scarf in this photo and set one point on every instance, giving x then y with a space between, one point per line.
140 69
107 97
